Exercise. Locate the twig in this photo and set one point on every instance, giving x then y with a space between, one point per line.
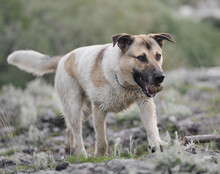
201 138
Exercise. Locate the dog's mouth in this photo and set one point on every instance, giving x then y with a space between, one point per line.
148 89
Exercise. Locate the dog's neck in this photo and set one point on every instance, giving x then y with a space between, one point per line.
126 88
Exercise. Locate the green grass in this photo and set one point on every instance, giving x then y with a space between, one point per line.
215 104
171 128
142 149
58 113
81 159
206 89
22 167
184 88
9 152
18 130
217 100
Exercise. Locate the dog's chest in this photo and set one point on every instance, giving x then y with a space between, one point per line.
114 101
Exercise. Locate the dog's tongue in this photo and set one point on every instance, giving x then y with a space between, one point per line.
148 91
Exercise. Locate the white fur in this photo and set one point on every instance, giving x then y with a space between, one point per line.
79 98
32 61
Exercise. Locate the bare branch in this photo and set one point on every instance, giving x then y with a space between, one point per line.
201 138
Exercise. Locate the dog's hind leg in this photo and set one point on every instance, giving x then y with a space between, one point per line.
70 94
69 140
86 108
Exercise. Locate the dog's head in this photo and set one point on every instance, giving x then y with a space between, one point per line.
141 60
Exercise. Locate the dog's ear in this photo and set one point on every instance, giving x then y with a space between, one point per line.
124 41
160 37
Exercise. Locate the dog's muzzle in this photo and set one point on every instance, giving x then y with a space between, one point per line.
150 84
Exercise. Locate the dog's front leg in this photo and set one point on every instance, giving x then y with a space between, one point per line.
149 119
99 121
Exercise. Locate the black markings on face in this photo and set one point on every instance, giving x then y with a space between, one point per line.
146 44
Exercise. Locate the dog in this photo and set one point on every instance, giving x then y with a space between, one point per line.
103 78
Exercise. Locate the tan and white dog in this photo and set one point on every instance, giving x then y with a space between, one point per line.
103 78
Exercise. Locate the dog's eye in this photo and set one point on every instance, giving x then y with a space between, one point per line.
142 58
158 56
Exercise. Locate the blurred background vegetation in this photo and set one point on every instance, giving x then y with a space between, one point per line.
56 27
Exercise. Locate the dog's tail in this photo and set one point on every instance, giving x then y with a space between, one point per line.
34 62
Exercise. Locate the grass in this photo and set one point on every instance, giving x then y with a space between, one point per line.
184 88
142 149
118 153
215 104
22 167
74 159
171 128
81 159
9 152
58 113
175 159
206 89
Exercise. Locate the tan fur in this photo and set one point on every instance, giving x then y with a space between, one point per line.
71 67
139 47
99 119
97 75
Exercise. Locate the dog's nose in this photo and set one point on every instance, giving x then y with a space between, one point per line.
158 77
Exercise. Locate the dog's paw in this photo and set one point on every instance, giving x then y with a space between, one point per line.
159 146
155 148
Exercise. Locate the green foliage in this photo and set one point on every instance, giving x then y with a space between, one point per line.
73 159
54 28
81 159
9 152
22 167
215 104
206 89
142 149
184 88
171 128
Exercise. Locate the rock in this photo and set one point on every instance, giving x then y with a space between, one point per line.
49 119
47 115
58 139
188 125
199 124
138 135
115 166
5 162
6 130
22 158
61 166
191 150
28 150
4 171
47 172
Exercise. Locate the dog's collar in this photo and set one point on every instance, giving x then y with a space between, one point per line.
124 88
